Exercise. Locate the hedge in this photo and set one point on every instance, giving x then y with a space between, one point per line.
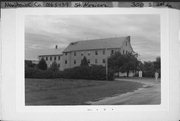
95 72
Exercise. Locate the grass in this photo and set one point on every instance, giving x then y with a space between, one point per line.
73 92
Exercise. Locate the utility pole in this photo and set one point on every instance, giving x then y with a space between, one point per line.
106 64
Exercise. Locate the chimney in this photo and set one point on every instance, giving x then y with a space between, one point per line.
129 38
56 47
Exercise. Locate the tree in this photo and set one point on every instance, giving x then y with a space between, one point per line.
130 63
84 62
157 64
123 63
148 69
54 67
29 63
42 64
115 61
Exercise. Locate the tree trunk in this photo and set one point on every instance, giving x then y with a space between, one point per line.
127 73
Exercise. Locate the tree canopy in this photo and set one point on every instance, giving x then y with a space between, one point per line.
54 67
84 62
42 64
157 64
123 63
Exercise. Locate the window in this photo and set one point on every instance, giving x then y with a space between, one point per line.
74 53
123 51
65 53
58 65
46 58
65 61
96 52
81 54
103 52
59 57
126 43
96 61
104 61
54 57
112 51
50 58
89 53
74 61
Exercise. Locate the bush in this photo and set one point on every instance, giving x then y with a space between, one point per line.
42 64
37 73
54 67
94 72
148 74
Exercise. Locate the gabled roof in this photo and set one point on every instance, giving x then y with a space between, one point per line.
97 44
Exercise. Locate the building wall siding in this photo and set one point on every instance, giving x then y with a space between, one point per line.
49 62
74 58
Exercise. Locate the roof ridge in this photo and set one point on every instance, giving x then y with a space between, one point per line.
99 39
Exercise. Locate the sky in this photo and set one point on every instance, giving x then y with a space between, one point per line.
43 32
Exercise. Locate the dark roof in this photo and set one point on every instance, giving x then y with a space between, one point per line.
97 44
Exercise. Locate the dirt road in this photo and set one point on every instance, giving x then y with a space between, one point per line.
149 94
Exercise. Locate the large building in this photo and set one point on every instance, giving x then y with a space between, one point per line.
96 52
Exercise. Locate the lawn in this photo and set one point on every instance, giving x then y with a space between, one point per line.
73 92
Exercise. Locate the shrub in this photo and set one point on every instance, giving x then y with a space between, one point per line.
84 62
54 67
148 74
42 64
94 72
37 73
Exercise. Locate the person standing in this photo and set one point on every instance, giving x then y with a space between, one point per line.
156 75
140 74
